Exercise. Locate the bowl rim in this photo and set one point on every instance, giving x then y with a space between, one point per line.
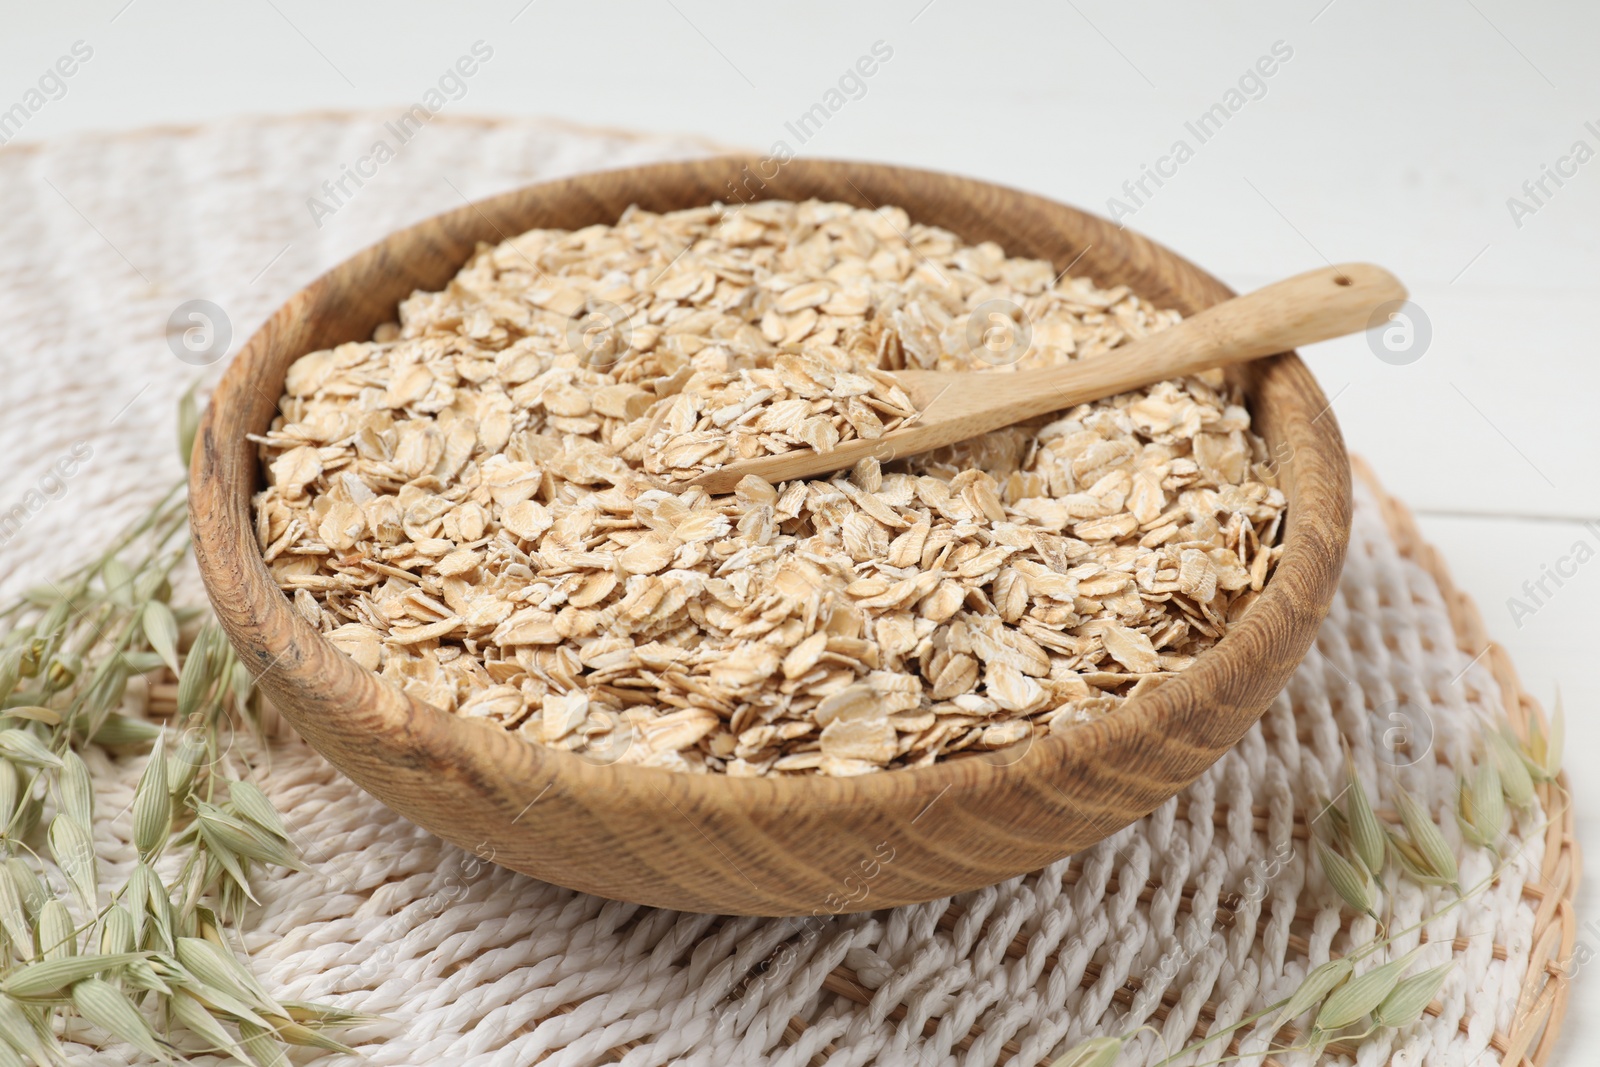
1190 707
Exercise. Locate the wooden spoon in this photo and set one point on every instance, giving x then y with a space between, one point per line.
955 405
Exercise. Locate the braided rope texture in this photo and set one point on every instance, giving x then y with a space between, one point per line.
1183 923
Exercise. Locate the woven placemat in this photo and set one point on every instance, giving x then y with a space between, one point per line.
1186 921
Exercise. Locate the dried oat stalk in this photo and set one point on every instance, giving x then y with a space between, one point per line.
147 962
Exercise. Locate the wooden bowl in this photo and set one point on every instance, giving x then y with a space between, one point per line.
789 846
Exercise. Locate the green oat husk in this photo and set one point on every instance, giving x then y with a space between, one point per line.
1480 806
1360 995
104 1005
1410 998
1413 864
252 804
22 1028
217 1001
219 969
244 839
116 931
1351 881
33 713
152 806
58 938
190 1013
120 731
14 918
52 978
1365 831
183 766
73 847
77 790
199 674
161 632
1506 756
1314 989
10 793
31 889
1428 856
21 746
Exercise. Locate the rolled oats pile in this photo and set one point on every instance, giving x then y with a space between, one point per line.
471 504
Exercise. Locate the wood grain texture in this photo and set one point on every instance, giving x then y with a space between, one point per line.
956 405
709 843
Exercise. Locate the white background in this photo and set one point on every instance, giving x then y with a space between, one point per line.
1395 133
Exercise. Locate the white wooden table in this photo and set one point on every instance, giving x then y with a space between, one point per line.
1389 133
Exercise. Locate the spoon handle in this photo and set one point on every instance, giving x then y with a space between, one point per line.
1307 308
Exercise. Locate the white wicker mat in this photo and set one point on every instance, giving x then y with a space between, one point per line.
101 237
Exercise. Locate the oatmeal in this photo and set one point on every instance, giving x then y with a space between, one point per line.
478 503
